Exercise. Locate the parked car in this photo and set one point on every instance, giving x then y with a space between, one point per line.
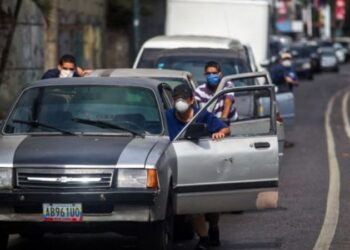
95 154
302 62
345 42
312 49
329 60
340 52
327 45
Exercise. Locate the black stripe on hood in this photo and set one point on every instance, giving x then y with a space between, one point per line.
70 150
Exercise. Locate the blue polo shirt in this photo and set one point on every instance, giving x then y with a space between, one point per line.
213 123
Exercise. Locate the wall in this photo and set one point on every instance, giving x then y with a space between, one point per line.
26 59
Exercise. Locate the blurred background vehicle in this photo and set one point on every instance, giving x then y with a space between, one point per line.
329 60
312 48
302 61
345 42
328 45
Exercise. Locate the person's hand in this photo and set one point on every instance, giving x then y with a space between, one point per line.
291 81
218 136
81 72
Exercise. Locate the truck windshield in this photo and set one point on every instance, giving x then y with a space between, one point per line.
54 109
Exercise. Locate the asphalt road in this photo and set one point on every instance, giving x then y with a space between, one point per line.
304 185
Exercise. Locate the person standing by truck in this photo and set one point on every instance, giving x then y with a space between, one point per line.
224 108
285 78
283 74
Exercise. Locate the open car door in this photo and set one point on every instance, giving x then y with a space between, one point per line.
245 103
239 172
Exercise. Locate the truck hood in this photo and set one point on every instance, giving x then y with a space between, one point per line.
78 150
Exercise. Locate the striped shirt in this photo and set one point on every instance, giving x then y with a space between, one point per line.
203 94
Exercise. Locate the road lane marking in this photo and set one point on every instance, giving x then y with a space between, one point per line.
330 222
345 113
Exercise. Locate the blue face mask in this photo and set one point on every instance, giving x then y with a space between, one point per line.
213 79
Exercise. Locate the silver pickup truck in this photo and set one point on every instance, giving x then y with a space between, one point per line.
93 154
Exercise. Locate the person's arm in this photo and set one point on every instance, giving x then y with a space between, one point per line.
227 108
217 127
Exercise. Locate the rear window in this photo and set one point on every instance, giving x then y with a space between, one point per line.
196 64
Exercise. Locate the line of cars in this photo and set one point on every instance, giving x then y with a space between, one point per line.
311 57
94 153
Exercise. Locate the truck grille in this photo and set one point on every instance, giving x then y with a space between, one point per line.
38 178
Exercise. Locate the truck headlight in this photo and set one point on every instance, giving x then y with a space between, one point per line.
5 177
137 178
306 65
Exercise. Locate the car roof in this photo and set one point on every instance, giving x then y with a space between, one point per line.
125 72
188 41
113 81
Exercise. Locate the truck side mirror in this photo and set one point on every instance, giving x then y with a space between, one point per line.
195 131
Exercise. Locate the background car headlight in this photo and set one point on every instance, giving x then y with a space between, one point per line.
137 178
306 65
5 178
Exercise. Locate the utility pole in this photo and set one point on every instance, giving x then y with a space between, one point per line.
136 24
51 36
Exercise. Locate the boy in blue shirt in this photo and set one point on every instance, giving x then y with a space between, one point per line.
184 110
177 118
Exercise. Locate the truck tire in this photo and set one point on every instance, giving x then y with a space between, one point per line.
158 235
4 237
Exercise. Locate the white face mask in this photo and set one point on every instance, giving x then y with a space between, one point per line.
181 106
64 73
287 63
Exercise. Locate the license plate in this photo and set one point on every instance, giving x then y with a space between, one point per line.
70 212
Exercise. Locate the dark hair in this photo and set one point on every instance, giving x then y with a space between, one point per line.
183 90
212 64
67 59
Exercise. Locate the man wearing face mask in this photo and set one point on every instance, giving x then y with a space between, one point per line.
184 111
224 108
285 78
65 68
283 74
177 118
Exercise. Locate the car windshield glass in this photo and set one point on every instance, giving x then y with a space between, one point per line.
196 64
132 110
